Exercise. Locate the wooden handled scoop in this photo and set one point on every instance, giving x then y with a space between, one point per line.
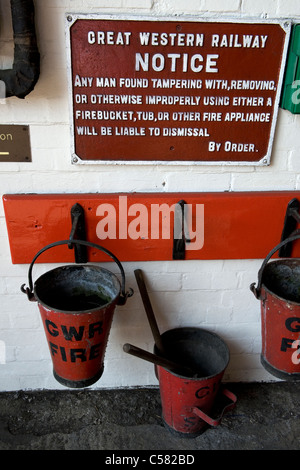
149 311
158 360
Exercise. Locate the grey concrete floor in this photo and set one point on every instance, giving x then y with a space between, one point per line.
266 417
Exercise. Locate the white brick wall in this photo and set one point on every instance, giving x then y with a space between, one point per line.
209 294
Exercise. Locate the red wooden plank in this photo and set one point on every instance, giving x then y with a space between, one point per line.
245 225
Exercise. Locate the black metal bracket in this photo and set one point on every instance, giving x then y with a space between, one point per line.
292 218
180 232
78 233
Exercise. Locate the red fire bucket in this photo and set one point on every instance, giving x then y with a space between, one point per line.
278 289
188 401
77 304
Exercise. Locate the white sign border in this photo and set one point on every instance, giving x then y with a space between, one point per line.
71 18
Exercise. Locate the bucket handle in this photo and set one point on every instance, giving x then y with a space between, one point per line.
215 422
257 290
29 290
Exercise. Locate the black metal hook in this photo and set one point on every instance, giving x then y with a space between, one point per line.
292 218
78 232
180 232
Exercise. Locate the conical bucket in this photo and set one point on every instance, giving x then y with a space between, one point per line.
188 401
77 304
278 289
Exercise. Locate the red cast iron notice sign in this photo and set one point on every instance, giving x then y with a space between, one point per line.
172 90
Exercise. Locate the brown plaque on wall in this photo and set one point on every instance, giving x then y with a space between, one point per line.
15 143
173 90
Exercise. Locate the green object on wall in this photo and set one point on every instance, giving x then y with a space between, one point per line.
290 97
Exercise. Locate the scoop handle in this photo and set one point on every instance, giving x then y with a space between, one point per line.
158 360
148 308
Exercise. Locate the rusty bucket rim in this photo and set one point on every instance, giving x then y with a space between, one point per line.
268 290
29 290
211 333
77 312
